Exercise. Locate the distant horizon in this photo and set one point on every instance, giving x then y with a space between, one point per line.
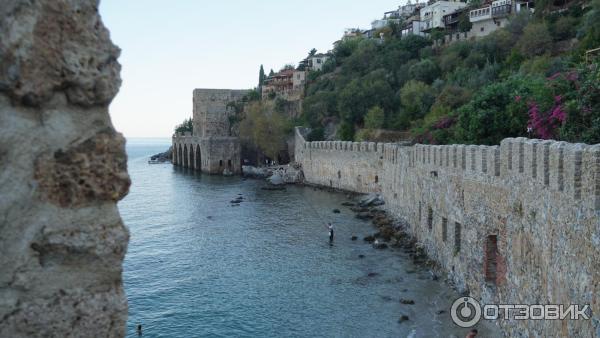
170 50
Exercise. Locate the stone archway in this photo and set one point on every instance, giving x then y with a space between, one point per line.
185 156
198 157
192 163
179 155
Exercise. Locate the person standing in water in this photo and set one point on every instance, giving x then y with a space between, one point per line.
330 227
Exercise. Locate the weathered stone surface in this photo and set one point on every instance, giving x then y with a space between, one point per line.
93 170
517 223
60 45
62 169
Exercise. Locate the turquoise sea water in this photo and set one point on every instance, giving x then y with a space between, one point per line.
198 267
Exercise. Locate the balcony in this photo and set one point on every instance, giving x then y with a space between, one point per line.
501 11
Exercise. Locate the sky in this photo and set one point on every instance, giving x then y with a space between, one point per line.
171 47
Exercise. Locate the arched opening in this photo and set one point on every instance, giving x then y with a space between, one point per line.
174 154
192 160
179 155
198 158
185 156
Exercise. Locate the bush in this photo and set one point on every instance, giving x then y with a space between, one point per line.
424 71
536 40
375 118
564 28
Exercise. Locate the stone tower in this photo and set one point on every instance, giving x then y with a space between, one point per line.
211 114
211 148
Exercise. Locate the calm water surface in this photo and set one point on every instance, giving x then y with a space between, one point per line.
198 267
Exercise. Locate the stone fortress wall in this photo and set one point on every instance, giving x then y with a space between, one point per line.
211 148
513 224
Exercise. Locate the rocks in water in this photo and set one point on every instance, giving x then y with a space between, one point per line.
378 245
275 188
238 200
371 200
387 233
354 238
364 215
407 301
403 318
162 157
369 239
348 204
276 179
359 209
381 220
336 211
255 172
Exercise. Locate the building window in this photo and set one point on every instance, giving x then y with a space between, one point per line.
430 218
220 163
457 231
376 179
481 29
491 248
444 229
229 163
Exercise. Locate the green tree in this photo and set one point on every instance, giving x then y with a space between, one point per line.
536 40
425 71
265 129
464 24
416 98
186 126
261 77
374 118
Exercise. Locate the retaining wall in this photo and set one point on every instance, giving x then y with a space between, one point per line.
512 224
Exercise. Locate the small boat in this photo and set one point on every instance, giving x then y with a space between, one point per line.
154 162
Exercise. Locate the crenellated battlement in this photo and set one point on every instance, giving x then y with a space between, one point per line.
563 167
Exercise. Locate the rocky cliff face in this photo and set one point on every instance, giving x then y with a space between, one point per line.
62 170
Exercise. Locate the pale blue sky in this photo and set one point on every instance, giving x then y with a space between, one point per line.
171 47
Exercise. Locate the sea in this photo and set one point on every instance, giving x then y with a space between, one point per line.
198 265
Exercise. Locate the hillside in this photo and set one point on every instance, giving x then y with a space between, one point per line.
530 79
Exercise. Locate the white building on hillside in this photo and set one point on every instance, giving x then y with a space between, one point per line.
490 18
413 26
433 15
317 61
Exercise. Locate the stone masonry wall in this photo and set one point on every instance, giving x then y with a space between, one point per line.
62 170
512 224
211 113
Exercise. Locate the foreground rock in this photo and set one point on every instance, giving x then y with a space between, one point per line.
62 240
